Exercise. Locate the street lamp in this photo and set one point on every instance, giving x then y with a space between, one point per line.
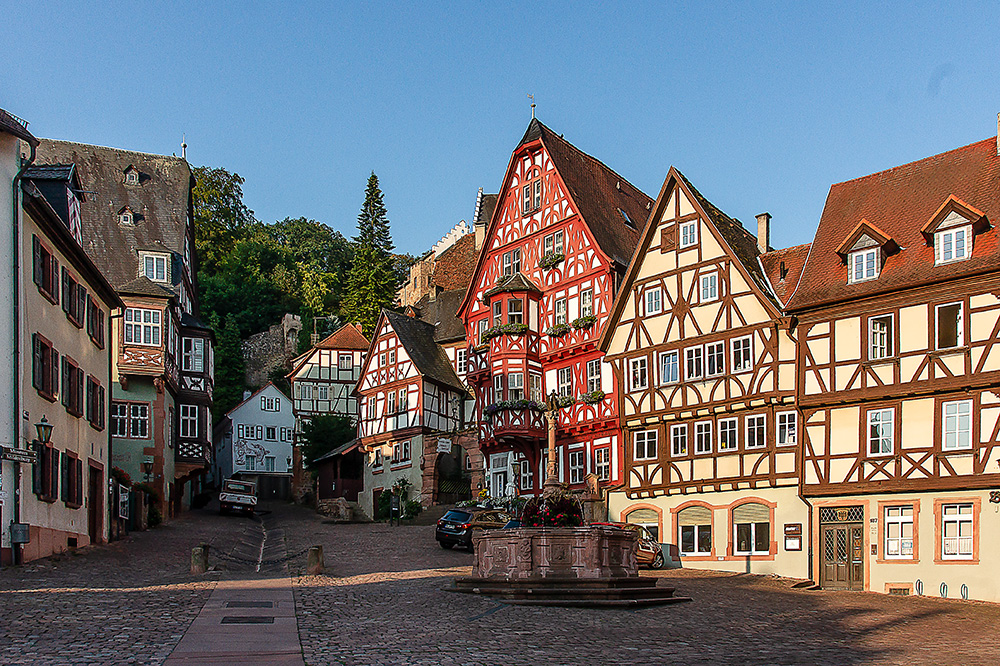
147 468
44 430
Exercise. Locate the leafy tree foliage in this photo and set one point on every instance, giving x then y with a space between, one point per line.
229 370
373 279
323 434
220 216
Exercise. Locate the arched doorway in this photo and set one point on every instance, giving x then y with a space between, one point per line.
454 483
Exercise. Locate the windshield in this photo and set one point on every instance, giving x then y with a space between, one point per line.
238 487
458 516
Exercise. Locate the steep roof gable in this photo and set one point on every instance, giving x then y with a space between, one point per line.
429 358
900 202
348 336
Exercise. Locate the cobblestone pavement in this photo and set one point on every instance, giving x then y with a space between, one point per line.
380 602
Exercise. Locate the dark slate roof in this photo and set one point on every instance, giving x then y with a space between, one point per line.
742 242
188 320
900 202
11 124
348 336
485 206
50 171
516 282
143 286
162 199
442 313
340 450
599 192
417 337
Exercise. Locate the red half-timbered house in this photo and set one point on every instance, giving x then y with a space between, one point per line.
561 235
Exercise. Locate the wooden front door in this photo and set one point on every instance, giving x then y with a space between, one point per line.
843 556
95 505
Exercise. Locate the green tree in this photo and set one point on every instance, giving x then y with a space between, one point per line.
373 280
229 371
323 434
220 216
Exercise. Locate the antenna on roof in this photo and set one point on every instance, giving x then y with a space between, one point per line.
532 98
184 147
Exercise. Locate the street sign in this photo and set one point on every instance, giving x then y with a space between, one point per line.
444 446
19 533
123 497
27 456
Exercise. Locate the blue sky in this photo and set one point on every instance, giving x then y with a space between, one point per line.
761 106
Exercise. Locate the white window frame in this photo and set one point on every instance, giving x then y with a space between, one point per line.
461 358
515 315
497 388
119 419
560 311
951 425
269 463
962 547
729 430
787 430
715 354
864 265
959 325
696 529
881 439
515 386
251 462
345 361
515 256
577 465
602 464
702 437
564 380
709 287
525 480
670 373
189 421
753 539
193 355
638 373
688 234
271 433
156 267
896 547
947 241
644 444
881 337
694 363
587 303
143 326
593 375
654 301
678 440
742 351
755 432
535 380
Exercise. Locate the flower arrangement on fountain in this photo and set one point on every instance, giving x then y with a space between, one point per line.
514 405
551 259
558 510
557 331
504 329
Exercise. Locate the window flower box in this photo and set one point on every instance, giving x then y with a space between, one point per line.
584 322
513 405
504 329
551 260
592 398
557 331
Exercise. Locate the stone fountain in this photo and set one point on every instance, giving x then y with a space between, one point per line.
561 566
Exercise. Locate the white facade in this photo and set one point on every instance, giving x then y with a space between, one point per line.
258 437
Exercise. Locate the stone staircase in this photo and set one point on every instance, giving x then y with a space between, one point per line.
624 592
431 514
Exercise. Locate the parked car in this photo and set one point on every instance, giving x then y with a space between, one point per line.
238 496
458 526
650 553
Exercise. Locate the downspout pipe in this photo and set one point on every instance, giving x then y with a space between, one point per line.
16 283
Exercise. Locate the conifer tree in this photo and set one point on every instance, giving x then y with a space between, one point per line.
372 282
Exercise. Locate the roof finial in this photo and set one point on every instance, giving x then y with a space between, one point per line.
184 147
532 98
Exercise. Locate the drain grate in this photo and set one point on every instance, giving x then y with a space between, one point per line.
257 619
249 604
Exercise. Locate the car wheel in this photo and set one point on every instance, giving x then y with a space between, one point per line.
446 546
658 561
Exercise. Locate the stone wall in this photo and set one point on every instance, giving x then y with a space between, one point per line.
272 349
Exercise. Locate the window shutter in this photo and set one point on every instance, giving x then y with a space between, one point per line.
36 361
751 513
53 457
67 293
53 378
101 408
642 516
81 302
66 382
694 515
36 469
79 391
36 265
78 495
54 276
64 469
199 354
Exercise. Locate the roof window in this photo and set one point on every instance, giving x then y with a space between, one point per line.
131 175
126 216
864 251
952 230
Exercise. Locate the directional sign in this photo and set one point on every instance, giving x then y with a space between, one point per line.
27 456
444 445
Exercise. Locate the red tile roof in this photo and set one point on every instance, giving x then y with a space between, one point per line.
900 202
345 337
783 268
454 268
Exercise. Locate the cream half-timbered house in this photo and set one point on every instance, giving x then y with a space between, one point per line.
323 379
706 362
561 235
899 378
409 392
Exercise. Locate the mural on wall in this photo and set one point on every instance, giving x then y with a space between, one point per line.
242 447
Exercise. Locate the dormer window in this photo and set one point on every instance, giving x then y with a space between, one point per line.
952 245
126 216
131 176
864 265
155 267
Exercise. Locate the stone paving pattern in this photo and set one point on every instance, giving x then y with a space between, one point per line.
380 602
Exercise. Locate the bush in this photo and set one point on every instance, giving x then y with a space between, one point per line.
154 516
561 510
382 509
411 509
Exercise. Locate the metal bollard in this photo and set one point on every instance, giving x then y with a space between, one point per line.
314 562
199 559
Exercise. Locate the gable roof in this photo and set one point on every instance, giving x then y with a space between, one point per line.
485 205
442 313
256 393
600 193
14 126
900 202
143 286
164 201
430 359
347 336
783 268
741 243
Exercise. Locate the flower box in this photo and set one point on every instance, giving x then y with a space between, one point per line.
504 329
557 331
551 260
584 322
592 398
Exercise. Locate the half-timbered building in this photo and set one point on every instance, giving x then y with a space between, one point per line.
562 232
706 362
412 400
323 378
899 378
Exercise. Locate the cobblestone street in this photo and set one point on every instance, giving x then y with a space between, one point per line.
380 602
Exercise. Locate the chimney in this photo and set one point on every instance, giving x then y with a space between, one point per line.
763 232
